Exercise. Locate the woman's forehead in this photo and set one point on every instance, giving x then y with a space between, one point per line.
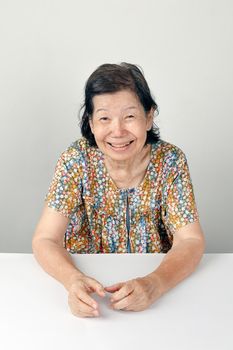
121 100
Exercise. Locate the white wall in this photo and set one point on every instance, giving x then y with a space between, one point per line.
49 49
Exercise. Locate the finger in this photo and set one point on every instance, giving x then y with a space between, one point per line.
124 303
96 287
125 290
114 287
85 298
78 307
79 313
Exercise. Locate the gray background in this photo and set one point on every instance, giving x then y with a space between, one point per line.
49 49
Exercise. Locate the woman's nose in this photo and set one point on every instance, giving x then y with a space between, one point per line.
118 128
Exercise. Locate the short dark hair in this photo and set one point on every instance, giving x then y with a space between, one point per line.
110 78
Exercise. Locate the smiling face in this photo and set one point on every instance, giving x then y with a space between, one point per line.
120 124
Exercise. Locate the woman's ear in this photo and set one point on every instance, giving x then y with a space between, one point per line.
150 119
91 125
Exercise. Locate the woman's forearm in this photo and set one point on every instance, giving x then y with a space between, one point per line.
55 260
180 261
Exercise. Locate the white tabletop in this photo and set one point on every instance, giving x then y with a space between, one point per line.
196 314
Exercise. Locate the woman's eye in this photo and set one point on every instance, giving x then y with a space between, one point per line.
130 116
104 118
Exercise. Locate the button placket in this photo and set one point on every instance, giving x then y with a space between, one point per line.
128 222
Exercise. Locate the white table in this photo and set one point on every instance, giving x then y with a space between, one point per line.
196 314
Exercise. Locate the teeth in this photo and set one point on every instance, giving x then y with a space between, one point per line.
118 146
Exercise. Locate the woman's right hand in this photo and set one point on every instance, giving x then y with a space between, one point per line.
80 302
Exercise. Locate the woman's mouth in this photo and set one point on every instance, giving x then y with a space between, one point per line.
120 147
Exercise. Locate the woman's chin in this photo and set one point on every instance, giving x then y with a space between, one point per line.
118 156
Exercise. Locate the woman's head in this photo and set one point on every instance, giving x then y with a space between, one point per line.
112 78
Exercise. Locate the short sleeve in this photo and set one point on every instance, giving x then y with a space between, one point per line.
64 194
179 208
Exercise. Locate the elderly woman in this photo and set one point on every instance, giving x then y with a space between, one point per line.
120 188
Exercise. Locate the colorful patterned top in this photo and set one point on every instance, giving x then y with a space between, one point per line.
106 219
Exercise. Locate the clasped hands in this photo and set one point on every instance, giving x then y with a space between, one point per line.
134 295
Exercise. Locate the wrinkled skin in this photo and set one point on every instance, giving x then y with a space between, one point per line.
80 302
133 295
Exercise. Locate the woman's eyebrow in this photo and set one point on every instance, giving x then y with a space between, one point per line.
105 109
101 109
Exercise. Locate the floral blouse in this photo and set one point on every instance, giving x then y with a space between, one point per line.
106 219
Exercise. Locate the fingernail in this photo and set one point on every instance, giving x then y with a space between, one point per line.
94 306
95 313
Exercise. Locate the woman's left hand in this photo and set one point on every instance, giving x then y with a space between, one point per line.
136 294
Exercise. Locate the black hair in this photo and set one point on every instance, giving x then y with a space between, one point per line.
110 78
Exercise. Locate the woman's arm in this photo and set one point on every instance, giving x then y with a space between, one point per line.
47 245
182 259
